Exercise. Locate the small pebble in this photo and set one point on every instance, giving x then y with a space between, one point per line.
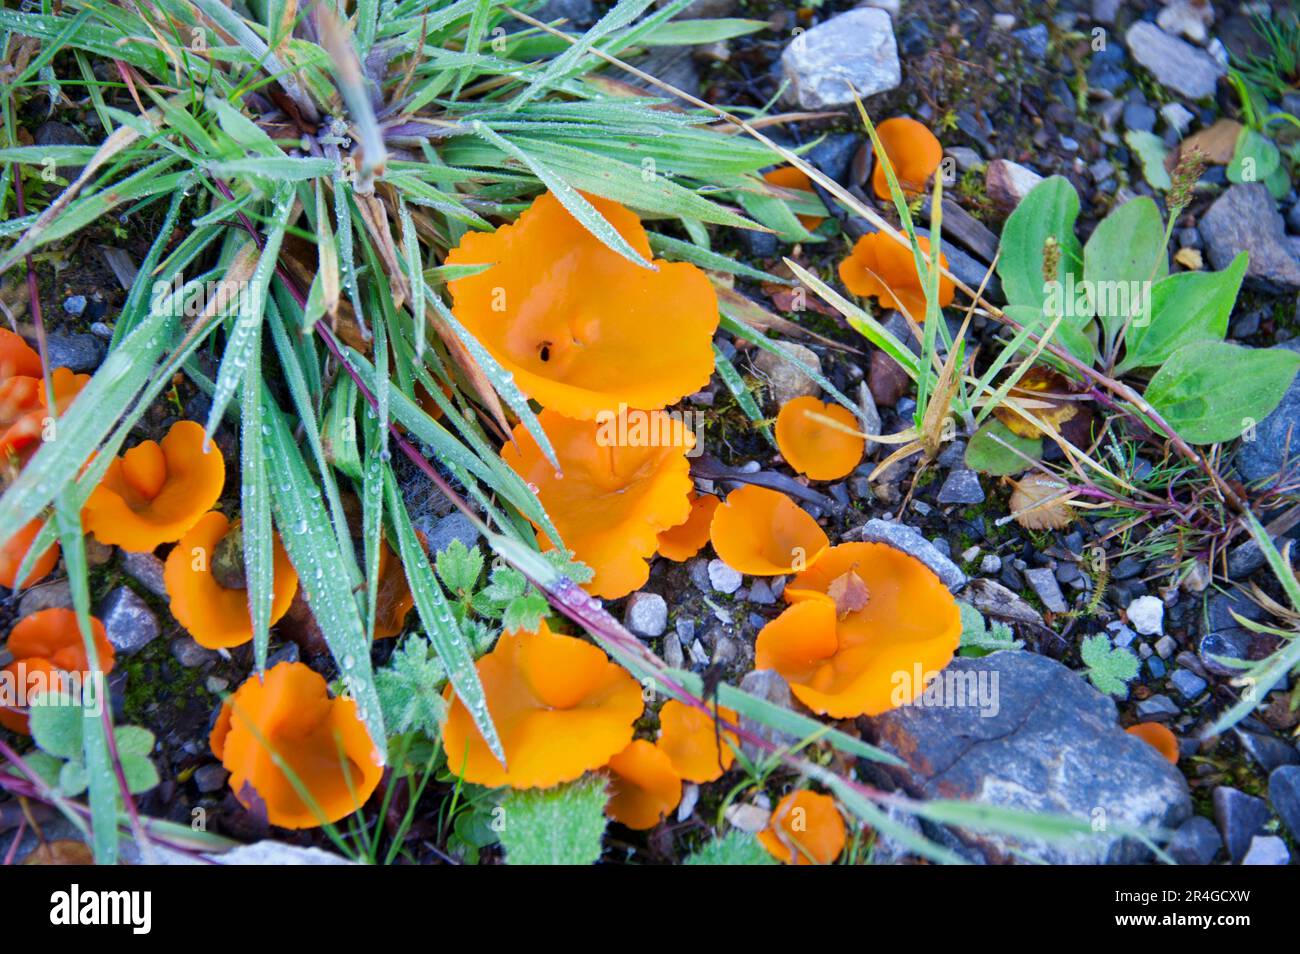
723 578
1146 614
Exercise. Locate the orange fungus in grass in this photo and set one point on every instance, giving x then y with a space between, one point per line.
45 644
868 627
690 739
883 269
813 447
791 177
806 829
155 492
913 151
643 786
288 711
560 708
616 493
582 328
683 541
15 550
1158 737
216 616
764 533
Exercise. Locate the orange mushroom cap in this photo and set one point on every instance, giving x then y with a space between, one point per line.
690 740
560 708
218 617
155 492
1158 737
395 599
49 641
913 151
28 673
683 541
24 408
792 177
17 357
856 650
813 447
643 786
616 494
895 282
806 829
288 713
764 533
15 550
582 328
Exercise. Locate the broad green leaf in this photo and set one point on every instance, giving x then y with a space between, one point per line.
988 454
1254 159
1151 150
58 729
1185 308
733 848
1068 335
1124 255
1048 211
1213 391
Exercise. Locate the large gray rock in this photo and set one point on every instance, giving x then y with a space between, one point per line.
1276 441
902 537
855 48
1175 63
1051 743
1244 219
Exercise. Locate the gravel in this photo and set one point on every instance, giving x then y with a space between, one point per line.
1044 584
128 621
855 49
1240 818
1146 614
646 614
1175 63
722 578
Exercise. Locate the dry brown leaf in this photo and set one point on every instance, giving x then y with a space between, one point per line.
1040 502
1042 393
850 593
1217 143
1190 258
65 852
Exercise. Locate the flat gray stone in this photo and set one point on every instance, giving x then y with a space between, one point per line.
1045 586
146 569
1276 441
1157 708
1267 850
770 686
1240 818
1175 63
1245 218
1052 745
855 49
1284 796
128 621
1196 842
723 578
909 540
961 487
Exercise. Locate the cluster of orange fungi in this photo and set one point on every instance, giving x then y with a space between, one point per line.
45 645
25 413
568 317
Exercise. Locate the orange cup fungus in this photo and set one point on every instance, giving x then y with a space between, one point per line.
690 739
155 492
216 616
868 626
395 599
287 715
913 151
643 786
560 707
683 541
25 407
791 177
806 829
764 533
583 329
1158 737
14 552
45 644
880 268
617 492
813 447
17 357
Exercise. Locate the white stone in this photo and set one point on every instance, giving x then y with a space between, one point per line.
723 578
1146 614
853 51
